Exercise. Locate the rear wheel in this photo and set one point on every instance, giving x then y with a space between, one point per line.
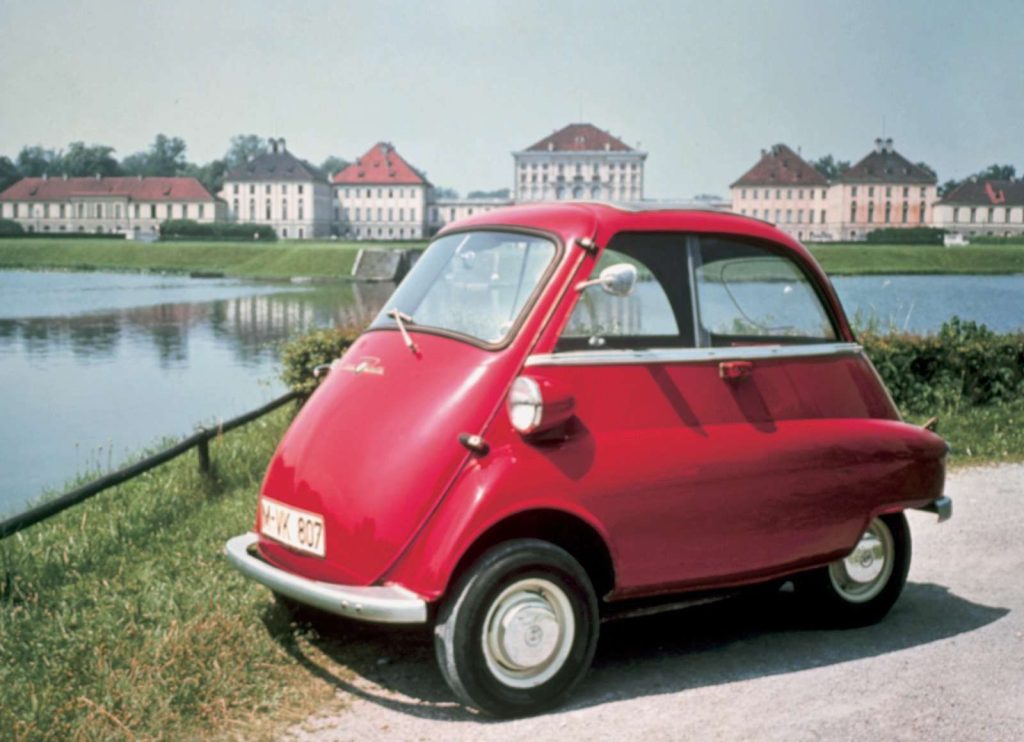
519 630
863 586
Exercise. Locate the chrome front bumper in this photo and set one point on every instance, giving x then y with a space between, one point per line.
380 604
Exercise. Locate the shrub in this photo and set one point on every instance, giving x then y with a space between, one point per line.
965 364
10 227
187 229
909 236
303 354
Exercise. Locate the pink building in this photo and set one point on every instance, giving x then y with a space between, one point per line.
786 190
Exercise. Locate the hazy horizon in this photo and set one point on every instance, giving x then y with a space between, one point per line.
457 85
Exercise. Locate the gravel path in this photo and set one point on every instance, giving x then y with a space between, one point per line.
946 664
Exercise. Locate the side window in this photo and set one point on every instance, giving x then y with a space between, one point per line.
654 315
749 295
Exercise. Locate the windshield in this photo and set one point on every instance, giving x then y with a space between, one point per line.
474 284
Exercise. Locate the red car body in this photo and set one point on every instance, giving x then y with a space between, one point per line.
691 470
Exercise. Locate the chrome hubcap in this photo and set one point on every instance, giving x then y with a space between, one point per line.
864 573
528 633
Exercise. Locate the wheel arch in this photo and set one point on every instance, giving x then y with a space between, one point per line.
565 530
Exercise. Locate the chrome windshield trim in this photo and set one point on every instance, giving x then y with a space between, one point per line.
378 603
689 355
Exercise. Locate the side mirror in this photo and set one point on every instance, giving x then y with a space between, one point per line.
617 280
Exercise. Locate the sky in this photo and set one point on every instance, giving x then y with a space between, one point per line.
457 85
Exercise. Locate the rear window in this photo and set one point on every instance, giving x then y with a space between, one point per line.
746 293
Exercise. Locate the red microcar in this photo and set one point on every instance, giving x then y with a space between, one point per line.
568 411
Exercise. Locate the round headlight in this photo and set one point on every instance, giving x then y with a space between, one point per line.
525 404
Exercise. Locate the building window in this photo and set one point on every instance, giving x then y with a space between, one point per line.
99 211
778 214
302 232
357 214
906 211
267 188
284 188
871 213
252 190
906 192
61 210
268 209
168 209
800 194
974 214
991 214
778 194
380 214
743 193
284 209
184 211
300 213
888 212
391 214
853 191
201 210
920 214
822 216
401 215
252 208
284 231
234 208
871 191
853 212
888 191
810 215
152 211
234 189
136 211
924 192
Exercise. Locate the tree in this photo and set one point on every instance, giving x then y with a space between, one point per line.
333 165
998 172
9 174
34 162
830 167
948 187
500 193
165 157
442 192
244 147
81 161
211 175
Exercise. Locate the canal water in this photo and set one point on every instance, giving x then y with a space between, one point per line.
96 366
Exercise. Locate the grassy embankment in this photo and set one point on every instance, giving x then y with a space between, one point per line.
271 260
120 618
862 259
334 259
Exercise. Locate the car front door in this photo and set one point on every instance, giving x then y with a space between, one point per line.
710 406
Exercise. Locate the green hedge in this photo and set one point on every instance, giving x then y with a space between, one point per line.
964 365
303 354
906 236
10 228
187 229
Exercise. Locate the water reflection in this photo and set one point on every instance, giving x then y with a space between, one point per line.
84 387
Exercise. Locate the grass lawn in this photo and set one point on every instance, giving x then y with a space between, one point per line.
121 618
859 259
273 260
334 259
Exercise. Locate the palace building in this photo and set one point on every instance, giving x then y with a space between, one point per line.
131 206
579 161
381 196
993 208
279 189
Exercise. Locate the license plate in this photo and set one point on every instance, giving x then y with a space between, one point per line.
299 529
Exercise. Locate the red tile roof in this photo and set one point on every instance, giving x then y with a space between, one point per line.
987 193
134 188
580 138
381 165
783 167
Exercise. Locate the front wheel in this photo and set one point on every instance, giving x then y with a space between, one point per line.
518 631
861 588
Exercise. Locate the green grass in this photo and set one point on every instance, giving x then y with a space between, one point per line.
983 435
275 260
860 259
335 259
121 618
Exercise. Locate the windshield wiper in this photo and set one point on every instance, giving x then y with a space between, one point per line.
400 319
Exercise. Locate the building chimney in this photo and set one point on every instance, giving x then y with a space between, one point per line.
282 143
888 144
273 145
878 145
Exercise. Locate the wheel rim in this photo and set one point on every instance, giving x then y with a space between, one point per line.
863 574
528 632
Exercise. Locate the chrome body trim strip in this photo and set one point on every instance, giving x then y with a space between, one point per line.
689 355
380 604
